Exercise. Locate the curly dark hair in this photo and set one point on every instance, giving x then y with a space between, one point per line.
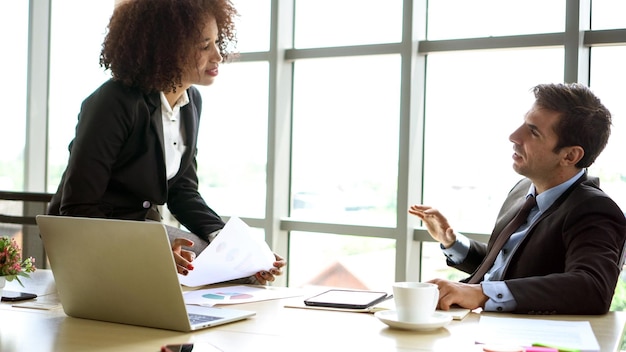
148 42
584 121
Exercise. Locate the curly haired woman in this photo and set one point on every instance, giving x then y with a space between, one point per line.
135 142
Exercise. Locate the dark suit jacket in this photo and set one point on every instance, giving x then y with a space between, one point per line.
116 167
568 263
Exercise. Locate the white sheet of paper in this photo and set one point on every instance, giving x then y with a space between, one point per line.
524 332
237 294
233 254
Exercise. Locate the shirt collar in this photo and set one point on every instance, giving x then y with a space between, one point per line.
182 101
547 198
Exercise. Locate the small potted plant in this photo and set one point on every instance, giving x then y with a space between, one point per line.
11 264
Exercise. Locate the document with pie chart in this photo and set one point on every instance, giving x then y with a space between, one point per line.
237 294
235 253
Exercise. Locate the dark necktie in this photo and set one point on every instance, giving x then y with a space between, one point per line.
506 233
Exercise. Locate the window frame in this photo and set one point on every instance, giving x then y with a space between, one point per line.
577 39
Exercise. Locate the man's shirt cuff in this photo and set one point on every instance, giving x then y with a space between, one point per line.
500 297
458 251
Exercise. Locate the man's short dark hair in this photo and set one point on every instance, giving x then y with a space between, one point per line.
584 120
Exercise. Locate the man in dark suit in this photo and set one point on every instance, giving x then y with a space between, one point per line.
565 257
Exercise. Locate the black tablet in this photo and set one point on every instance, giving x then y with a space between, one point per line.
348 299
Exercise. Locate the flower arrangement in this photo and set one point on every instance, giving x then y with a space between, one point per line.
11 264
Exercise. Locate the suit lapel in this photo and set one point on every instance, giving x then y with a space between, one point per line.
518 194
156 122
189 119
510 207
557 203
156 117
546 213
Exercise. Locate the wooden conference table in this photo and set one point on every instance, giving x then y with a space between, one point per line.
274 328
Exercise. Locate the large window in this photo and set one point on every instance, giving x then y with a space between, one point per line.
75 44
474 101
232 143
323 259
339 114
329 23
14 59
13 63
253 25
345 140
604 14
606 82
452 19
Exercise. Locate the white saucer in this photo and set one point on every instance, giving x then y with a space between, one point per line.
390 317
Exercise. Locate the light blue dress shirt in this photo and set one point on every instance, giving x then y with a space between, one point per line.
500 297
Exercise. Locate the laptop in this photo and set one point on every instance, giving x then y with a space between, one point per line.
122 271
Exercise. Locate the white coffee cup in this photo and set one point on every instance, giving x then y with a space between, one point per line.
415 301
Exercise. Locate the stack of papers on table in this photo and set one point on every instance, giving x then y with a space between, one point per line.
575 335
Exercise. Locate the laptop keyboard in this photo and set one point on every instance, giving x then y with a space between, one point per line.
199 318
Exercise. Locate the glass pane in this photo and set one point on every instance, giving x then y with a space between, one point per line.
232 143
604 14
607 80
475 100
449 19
72 76
318 259
328 23
253 25
14 37
345 139
434 264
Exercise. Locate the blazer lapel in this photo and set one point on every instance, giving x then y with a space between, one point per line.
557 203
548 211
156 122
156 117
518 194
189 118
510 207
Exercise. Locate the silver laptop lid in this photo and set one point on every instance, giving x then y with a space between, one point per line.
115 270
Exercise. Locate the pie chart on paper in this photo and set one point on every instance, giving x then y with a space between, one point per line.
227 296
